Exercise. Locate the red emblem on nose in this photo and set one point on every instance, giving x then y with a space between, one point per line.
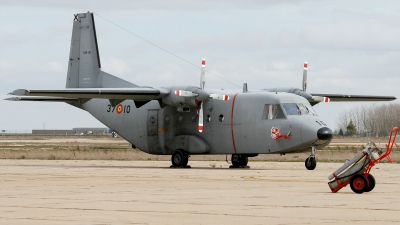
275 134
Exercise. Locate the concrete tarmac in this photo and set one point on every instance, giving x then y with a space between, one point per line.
149 192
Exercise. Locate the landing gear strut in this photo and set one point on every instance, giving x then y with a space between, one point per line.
311 162
180 159
239 161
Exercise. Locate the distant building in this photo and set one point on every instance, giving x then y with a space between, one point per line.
95 131
53 132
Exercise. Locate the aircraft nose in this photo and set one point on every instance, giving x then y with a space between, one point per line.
324 133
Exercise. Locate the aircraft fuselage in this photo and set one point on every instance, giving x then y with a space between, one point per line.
237 126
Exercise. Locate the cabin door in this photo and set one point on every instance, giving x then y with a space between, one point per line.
152 131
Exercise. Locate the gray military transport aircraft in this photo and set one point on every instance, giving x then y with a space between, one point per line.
169 120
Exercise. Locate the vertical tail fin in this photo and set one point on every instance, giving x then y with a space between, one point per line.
84 60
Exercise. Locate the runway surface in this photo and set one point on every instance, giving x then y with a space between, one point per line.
149 192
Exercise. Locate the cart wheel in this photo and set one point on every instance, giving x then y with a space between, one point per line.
359 184
371 183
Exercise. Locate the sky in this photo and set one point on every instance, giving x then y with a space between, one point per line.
352 47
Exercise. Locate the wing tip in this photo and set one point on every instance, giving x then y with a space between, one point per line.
12 99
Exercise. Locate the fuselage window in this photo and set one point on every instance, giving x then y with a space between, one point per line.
291 108
273 111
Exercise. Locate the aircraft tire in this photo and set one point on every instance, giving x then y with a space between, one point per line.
179 158
359 183
241 161
311 163
371 183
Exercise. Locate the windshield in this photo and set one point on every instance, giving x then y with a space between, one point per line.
308 109
298 109
291 109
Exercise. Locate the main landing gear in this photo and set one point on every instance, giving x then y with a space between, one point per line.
311 162
180 159
239 161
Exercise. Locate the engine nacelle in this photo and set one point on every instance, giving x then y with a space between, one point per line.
185 101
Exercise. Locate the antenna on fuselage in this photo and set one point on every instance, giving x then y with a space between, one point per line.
245 90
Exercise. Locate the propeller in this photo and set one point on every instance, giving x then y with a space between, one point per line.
320 99
200 101
202 84
219 97
314 99
305 76
186 93
203 74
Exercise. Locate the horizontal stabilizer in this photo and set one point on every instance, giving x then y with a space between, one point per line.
354 98
139 94
42 99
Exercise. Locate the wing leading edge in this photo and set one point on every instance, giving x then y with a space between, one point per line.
42 99
137 94
358 98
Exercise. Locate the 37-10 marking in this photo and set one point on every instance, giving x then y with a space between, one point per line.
119 108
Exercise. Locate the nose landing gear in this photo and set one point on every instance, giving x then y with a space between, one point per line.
239 161
311 162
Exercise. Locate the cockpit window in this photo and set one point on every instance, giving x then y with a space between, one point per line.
298 109
303 109
291 108
310 109
273 111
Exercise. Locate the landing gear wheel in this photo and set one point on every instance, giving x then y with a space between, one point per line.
359 183
243 161
239 161
311 163
371 183
179 159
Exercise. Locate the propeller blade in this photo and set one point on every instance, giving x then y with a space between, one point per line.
185 93
201 117
321 99
203 74
305 76
219 97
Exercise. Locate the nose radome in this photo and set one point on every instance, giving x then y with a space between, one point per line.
324 133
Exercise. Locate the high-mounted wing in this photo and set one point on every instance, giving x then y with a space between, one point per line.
137 94
42 99
358 98
314 98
